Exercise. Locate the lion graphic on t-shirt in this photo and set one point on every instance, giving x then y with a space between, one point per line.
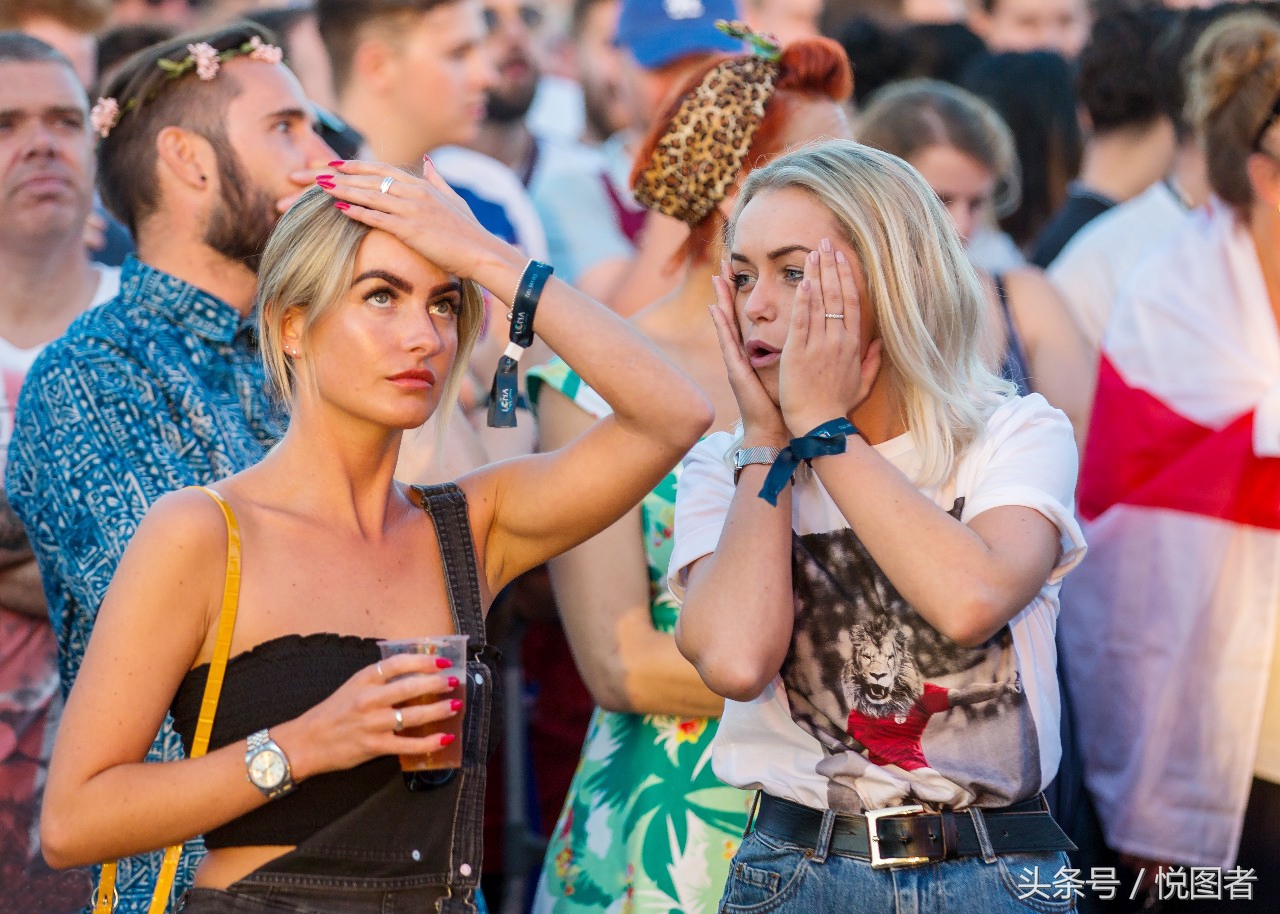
890 706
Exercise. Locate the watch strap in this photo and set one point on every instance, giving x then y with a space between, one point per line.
262 741
745 457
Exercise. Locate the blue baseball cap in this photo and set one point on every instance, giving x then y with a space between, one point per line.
656 32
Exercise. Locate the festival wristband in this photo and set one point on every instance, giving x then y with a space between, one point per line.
827 439
505 392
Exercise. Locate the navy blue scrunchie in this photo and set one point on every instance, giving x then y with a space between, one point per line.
827 439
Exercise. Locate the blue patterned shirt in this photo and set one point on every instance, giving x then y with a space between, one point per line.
159 388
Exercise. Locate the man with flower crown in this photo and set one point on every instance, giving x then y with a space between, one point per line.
202 143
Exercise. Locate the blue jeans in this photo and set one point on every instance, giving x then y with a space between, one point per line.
769 874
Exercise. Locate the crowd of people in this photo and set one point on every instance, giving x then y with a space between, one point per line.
844 435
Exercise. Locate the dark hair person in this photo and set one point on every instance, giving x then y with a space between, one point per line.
1173 617
1032 92
368 305
870 566
644 759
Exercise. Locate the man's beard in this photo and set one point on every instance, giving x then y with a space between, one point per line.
244 215
512 106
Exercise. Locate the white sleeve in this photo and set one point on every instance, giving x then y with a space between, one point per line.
1027 457
703 496
1266 424
1083 280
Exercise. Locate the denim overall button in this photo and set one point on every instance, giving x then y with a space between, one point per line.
465 869
479 679
416 855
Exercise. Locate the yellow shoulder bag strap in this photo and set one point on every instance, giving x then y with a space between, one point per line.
105 900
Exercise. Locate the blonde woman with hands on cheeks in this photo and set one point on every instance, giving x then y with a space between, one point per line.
645 817
870 567
368 309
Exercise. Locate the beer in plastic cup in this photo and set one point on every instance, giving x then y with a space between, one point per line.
453 648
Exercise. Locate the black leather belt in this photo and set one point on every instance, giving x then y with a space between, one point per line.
906 835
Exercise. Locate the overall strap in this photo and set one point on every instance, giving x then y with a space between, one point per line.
105 899
447 507
1014 366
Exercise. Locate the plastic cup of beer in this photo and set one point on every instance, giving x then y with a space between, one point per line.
454 649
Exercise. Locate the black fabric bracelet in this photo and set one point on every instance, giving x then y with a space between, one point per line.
505 394
827 439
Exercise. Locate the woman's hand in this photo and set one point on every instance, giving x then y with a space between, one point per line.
358 722
761 419
824 374
425 213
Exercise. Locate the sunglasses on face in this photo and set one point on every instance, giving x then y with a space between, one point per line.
531 17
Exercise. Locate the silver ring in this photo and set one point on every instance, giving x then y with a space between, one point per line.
835 317
399 721
386 184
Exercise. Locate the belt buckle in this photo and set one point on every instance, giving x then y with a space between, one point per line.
873 817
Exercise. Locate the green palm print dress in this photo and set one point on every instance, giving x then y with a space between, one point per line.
647 827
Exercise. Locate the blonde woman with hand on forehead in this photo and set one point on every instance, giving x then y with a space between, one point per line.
369 305
870 566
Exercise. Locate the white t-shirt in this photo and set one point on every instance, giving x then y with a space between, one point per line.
570 189
497 198
873 707
16 361
1092 267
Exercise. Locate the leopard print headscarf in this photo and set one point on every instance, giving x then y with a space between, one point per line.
702 152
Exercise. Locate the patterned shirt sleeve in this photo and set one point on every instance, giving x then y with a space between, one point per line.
94 445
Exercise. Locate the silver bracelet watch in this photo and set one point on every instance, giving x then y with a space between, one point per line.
745 457
267 766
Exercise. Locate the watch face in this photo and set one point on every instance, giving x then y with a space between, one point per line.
266 769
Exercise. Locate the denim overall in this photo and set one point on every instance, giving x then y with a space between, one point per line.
409 847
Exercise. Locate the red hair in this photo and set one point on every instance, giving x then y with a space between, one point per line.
810 69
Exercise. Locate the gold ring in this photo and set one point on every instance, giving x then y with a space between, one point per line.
386 184
399 721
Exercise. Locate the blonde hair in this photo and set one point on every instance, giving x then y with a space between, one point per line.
907 118
308 264
1233 81
927 299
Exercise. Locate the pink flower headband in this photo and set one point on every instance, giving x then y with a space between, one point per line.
204 58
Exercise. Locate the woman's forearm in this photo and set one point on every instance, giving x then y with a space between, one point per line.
139 807
647 393
738 611
943 568
648 675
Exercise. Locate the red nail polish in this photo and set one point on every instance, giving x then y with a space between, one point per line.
447 739
456 705
443 663
337 163
454 682
342 204
427 159
324 177
327 185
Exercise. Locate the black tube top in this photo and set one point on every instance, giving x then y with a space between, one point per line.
274 682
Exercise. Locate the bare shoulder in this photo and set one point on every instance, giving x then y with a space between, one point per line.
171 573
183 526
